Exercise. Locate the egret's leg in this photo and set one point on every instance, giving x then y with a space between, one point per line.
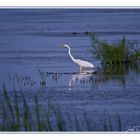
81 69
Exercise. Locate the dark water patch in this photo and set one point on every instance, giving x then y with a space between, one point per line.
86 73
81 34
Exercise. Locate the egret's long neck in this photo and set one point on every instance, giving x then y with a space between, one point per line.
69 51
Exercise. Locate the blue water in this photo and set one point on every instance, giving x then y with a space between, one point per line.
31 58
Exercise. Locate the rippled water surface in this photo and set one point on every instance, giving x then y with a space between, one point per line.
31 60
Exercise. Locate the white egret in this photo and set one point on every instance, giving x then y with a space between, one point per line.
81 63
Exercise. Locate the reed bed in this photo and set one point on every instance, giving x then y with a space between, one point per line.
122 51
18 114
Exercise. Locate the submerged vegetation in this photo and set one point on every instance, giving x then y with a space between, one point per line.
120 52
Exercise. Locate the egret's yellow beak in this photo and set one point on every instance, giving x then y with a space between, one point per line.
62 46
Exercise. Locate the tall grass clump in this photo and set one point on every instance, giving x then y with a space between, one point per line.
120 52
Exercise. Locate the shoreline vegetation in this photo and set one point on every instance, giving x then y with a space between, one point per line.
122 51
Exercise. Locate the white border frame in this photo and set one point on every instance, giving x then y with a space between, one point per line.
69 3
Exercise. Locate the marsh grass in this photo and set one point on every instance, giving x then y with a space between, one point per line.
119 52
38 111
112 123
19 114
119 123
17 111
27 116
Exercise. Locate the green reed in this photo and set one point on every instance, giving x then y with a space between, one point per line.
119 52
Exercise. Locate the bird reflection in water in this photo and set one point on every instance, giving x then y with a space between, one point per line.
85 76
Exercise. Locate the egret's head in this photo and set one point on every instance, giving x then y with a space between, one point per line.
65 46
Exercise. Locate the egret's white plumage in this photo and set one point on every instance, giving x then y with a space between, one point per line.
81 63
